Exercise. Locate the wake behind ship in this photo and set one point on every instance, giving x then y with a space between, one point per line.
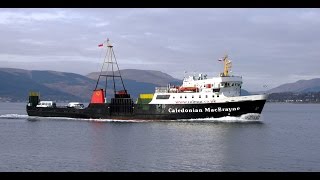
198 97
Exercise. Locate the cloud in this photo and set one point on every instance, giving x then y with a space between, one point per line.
101 24
7 17
310 16
35 42
148 33
180 47
266 45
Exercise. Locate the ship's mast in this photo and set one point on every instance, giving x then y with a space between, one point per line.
226 65
110 60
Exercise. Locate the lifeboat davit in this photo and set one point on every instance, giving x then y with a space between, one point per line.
190 89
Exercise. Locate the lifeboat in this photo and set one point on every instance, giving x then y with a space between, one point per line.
189 89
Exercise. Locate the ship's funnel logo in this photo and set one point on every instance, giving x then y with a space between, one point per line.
97 96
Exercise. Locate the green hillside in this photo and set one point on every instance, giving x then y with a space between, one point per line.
59 86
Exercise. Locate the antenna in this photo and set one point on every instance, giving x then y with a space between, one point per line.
184 75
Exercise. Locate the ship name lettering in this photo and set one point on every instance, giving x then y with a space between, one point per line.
219 109
193 110
184 110
210 110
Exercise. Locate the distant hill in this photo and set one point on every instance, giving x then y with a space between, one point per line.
63 86
244 92
292 97
16 84
146 76
312 85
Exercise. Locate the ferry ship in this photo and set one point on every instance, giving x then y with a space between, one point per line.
198 97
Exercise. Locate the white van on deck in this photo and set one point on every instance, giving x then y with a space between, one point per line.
75 105
46 104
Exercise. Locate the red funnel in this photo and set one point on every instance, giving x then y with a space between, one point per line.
97 96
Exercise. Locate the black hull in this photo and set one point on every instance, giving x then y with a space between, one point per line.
152 111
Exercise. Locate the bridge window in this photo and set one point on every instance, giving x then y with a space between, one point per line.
192 96
185 96
199 96
206 96
163 97
215 90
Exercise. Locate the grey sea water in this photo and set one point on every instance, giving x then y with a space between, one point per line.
286 138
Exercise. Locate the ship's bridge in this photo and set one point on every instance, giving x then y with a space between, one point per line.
229 85
216 82
224 84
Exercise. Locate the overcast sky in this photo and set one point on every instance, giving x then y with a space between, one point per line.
267 46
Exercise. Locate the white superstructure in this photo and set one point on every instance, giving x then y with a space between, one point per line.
200 89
